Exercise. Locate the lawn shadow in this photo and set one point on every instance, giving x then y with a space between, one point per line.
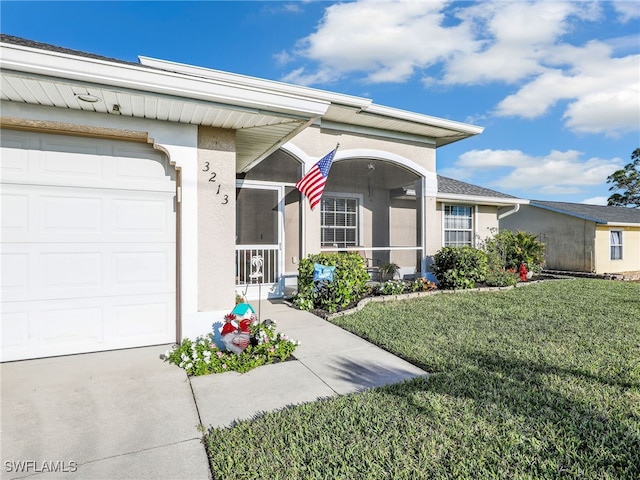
359 376
500 388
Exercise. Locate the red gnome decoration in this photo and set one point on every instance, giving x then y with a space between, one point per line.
236 335
523 273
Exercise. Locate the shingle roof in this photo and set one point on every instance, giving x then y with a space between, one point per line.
594 213
449 185
53 48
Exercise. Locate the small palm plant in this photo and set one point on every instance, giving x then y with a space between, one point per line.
388 271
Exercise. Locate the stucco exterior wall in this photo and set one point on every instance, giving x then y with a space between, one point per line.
630 261
317 142
486 222
569 241
216 218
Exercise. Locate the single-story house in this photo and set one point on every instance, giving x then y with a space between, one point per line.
139 198
582 238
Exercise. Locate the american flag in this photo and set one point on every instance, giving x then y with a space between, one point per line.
312 184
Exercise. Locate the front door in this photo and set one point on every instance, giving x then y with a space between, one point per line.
259 245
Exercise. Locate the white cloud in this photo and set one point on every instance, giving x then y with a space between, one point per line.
520 43
627 9
603 92
386 41
556 173
489 159
595 201
282 58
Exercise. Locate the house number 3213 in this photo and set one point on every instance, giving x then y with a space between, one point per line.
218 186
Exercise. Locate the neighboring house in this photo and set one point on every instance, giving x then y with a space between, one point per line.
582 238
136 196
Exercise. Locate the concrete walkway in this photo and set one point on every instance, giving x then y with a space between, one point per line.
127 415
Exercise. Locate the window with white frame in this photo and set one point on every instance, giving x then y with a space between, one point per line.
339 221
615 237
458 226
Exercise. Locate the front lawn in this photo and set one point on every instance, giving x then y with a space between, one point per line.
535 382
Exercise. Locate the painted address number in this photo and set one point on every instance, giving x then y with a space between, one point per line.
212 178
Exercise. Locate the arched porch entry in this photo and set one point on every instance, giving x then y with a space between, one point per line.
373 204
268 225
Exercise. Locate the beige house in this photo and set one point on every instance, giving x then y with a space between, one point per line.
139 198
582 238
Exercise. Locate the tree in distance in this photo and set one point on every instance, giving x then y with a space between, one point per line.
627 182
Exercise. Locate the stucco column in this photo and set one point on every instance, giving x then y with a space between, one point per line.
431 219
311 228
216 218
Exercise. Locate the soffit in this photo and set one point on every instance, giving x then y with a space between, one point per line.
421 127
258 132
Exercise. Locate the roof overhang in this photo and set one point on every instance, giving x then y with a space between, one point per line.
263 119
478 200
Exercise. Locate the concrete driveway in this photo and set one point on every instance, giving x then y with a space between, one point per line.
127 415
118 414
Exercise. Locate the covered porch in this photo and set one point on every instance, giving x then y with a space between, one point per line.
372 206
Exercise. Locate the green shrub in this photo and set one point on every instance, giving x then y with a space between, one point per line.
508 250
460 267
349 282
499 278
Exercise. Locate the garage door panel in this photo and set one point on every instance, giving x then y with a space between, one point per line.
142 269
74 271
144 215
69 213
84 162
52 271
63 324
15 328
62 327
15 214
41 214
143 319
14 274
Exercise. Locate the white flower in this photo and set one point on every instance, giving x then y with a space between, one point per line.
188 366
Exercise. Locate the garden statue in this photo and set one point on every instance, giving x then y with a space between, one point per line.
236 334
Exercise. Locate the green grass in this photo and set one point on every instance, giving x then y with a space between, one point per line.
535 382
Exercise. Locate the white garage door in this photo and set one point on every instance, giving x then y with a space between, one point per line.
88 245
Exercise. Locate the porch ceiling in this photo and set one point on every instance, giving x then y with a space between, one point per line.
258 132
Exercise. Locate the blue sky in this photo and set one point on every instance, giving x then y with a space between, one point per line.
555 84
